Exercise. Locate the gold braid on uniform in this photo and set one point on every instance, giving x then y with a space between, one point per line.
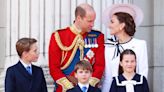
78 42
93 81
65 83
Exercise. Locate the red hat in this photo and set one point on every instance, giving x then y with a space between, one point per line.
131 9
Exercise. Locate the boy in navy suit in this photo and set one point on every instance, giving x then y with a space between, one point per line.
24 76
83 72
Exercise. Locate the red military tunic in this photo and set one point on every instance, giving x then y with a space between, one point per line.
59 60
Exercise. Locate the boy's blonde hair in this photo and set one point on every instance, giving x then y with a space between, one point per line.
83 64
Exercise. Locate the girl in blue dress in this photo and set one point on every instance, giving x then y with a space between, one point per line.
128 80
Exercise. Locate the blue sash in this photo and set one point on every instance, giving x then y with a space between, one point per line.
70 68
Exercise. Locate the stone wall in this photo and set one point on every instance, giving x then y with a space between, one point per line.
151 30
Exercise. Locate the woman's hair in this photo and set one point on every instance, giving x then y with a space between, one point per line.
129 22
125 52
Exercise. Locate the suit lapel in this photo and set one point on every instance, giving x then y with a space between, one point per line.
20 68
23 71
90 89
78 89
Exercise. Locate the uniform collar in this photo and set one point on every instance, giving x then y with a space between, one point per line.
75 30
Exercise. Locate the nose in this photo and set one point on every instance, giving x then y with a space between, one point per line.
38 52
92 24
84 74
109 25
129 63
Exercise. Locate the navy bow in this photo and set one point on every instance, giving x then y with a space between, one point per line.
118 48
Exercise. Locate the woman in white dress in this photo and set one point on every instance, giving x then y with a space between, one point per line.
122 20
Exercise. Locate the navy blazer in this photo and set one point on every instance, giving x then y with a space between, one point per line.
78 89
19 80
137 88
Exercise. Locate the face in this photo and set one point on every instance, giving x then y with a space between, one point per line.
33 54
115 26
83 76
128 63
86 23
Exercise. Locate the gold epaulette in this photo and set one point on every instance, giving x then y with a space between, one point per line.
65 83
93 81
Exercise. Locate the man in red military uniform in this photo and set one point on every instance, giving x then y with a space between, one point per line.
72 44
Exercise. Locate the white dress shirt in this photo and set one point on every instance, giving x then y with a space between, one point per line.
83 85
25 65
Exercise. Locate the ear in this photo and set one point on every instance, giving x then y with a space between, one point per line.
75 75
122 26
120 63
24 54
91 74
78 18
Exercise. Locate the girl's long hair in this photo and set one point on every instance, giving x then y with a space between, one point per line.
125 52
